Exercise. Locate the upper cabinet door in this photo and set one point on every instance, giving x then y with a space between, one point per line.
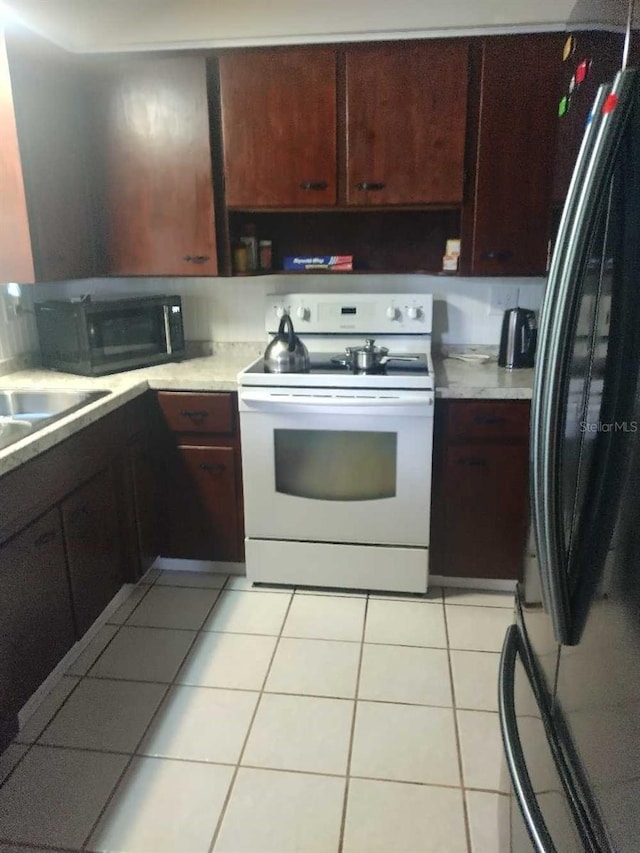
406 119
516 145
279 127
155 187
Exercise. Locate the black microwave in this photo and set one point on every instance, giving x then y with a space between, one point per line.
106 336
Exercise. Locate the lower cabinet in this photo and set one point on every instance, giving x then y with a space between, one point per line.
202 485
92 535
35 612
68 543
480 487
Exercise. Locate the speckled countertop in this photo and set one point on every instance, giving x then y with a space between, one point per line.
461 380
454 380
216 372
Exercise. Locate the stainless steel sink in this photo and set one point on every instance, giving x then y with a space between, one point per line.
25 412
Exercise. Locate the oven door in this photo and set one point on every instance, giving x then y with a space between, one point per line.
342 467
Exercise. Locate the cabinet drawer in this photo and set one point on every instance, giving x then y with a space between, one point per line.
200 413
488 419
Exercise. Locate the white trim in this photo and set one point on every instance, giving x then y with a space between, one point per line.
175 564
34 701
491 584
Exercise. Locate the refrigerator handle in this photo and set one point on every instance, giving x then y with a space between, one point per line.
536 827
592 173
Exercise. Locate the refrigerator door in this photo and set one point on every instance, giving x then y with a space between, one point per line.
542 814
597 704
572 319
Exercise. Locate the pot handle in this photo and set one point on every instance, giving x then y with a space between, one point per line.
287 322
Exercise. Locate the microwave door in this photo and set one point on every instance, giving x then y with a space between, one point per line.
127 334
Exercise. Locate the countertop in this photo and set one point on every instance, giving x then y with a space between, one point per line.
461 380
216 372
454 380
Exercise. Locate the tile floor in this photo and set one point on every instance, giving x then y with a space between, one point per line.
211 716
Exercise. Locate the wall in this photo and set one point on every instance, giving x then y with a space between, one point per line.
232 309
17 335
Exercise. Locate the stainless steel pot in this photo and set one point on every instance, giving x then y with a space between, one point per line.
370 357
286 353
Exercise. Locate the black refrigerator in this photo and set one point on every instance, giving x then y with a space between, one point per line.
569 685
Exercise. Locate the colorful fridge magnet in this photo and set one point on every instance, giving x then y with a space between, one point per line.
563 106
569 48
582 71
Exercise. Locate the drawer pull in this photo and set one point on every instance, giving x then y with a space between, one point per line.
475 461
489 420
314 185
370 185
212 467
195 414
497 255
196 259
44 538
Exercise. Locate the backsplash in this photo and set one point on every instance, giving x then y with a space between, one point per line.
232 309
18 336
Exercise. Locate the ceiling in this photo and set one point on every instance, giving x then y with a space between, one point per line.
113 25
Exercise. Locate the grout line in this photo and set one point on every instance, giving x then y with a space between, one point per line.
343 821
227 799
134 755
465 810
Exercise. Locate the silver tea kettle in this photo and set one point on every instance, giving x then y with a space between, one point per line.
286 353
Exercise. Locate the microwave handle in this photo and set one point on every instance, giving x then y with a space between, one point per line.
167 329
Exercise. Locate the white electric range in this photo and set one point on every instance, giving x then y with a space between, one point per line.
336 463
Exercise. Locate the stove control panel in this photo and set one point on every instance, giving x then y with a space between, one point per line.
357 313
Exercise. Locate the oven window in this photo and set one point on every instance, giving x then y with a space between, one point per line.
335 465
137 331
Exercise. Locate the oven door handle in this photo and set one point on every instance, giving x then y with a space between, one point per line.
411 404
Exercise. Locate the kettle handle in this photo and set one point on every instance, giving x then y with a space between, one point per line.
286 321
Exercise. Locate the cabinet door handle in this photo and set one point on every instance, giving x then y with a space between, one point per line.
196 415
497 255
489 420
196 259
370 185
314 185
44 538
472 461
212 467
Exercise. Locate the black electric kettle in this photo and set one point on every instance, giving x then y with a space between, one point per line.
518 339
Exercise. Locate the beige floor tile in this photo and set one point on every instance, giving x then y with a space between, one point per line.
405 674
198 580
481 751
127 607
488 822
238 661
321 617
144 654
479 597
243 584
163 806
405 743
173 607
88 657
480 629
54 796
9 758
248 613
475 679
201 724
405 623
276 812
36 723
102 714
300 733
403 818
315 668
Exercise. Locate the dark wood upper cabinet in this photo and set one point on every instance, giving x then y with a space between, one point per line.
506 228
46 228
406 112
153 153
279 127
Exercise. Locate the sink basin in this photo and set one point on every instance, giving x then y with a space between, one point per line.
25 412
